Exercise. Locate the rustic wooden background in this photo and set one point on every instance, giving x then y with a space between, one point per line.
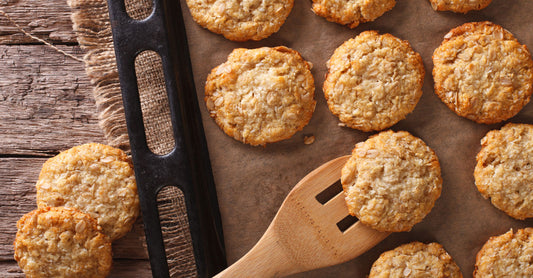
46 106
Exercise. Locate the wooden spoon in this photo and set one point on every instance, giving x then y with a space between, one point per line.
304 234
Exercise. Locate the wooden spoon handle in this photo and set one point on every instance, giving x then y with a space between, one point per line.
268 258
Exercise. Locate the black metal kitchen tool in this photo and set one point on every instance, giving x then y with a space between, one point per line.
187 166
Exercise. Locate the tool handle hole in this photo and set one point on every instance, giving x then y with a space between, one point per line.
346 223
330 192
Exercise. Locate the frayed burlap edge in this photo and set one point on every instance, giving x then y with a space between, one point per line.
91 23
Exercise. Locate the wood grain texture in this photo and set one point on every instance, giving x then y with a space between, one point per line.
49 20
304 235
120 269
17 197
46 102
46 106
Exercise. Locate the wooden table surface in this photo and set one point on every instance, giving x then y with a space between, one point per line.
46 106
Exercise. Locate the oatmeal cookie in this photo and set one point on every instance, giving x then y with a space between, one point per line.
61 242
416 259
507 255
240 20
261 95
373 81
96 179
391 181
459 6
352 12
482 72
504 169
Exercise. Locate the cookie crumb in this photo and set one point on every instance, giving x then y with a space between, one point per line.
308 140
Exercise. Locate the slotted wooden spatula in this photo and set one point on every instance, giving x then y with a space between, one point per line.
304 234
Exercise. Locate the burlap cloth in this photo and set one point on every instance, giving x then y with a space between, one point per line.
91 23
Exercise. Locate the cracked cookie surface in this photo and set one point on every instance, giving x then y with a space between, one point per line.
504 169
96 179
241 20
373 81
416 259
482 72
507 255
61 242
352 12
262 95
459 6
391 181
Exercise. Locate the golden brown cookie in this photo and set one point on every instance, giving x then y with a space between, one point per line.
482 72
352 12
459 6
96 179
416 259
373 81
504 170
240 20
261 95
61 242
507 255
391 181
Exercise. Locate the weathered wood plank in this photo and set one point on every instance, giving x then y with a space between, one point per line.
46 102
17 197
46 106
120 269
10 269
49 20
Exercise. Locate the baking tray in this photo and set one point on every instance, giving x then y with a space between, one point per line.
252 182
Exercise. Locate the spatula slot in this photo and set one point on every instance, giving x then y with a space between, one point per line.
346 223
330 192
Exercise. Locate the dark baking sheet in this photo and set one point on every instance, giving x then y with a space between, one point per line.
252 182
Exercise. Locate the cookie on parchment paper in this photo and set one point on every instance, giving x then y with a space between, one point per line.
507 255
61 242
373 81
262 95
352 12
416 259
482 72
504 169
391 181
240 20
459 6
96 179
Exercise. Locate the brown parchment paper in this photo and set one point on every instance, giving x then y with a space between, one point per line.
252 182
